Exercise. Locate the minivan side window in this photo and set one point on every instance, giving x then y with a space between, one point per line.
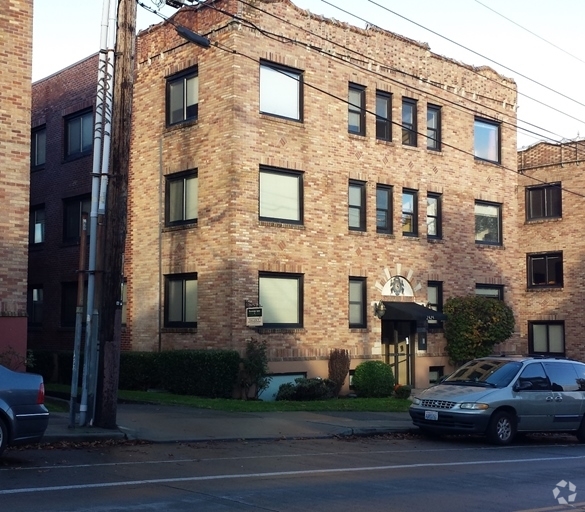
562 376
580 370
535 375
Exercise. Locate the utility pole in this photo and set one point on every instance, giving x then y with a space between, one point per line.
115 219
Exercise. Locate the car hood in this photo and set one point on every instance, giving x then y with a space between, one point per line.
455 393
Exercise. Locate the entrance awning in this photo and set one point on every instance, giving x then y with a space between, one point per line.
410 311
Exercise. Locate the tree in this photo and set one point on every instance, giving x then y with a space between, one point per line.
474 325
339 362
254 374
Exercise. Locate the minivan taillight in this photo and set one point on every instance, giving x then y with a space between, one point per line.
41 394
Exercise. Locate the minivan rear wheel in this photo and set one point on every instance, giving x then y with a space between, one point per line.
581 431
502 428
3 436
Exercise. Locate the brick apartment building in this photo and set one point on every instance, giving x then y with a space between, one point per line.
62 143
550 196
16 62
322 171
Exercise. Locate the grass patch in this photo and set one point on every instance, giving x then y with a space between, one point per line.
232 405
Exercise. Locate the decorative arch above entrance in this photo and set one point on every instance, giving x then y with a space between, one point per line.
404 322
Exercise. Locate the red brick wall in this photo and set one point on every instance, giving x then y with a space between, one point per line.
231 139
53 263
16 65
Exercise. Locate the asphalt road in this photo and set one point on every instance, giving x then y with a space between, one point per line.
394 473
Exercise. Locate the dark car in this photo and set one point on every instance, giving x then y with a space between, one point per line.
23 415
500 396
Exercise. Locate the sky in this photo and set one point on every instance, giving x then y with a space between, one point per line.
538 43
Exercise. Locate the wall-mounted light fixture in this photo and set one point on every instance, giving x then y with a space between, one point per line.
379 309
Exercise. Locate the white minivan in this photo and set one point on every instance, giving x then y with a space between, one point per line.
500 396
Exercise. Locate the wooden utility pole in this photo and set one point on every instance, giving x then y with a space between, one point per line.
115 218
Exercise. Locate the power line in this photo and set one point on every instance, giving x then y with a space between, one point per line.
465 48
280 38
530 32
415 77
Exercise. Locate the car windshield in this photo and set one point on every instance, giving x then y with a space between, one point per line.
493 373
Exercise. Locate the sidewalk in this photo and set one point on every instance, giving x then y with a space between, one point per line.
166 424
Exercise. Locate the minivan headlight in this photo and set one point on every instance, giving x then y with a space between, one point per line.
415 400
474 406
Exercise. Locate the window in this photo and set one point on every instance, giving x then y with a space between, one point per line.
182 97
383 116
357 109
544 202
37 225
546 338
281 91
488 223
73 210
434 216
79 134
182 198
487 140
281 196
545 270
434 127
384 209
435 300
409 212
492 291
181 300
38 147
409 122
281 297
35 305
357 302
69 304
357 206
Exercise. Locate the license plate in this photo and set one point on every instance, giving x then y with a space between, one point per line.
431 415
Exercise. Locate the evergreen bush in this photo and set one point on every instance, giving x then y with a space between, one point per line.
373 379
307 389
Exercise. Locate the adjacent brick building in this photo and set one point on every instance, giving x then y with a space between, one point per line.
16 64
550 198
322 171
61 166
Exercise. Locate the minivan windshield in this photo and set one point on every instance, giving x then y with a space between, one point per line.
493 373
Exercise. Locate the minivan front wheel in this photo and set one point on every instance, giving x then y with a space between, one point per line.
502 428
581 431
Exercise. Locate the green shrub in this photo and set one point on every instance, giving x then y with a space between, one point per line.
373 379
474 325
139 371
402 391
307 389
205 373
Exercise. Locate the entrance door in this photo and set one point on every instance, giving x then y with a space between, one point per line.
397 340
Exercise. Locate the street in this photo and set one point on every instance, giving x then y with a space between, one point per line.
393 472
